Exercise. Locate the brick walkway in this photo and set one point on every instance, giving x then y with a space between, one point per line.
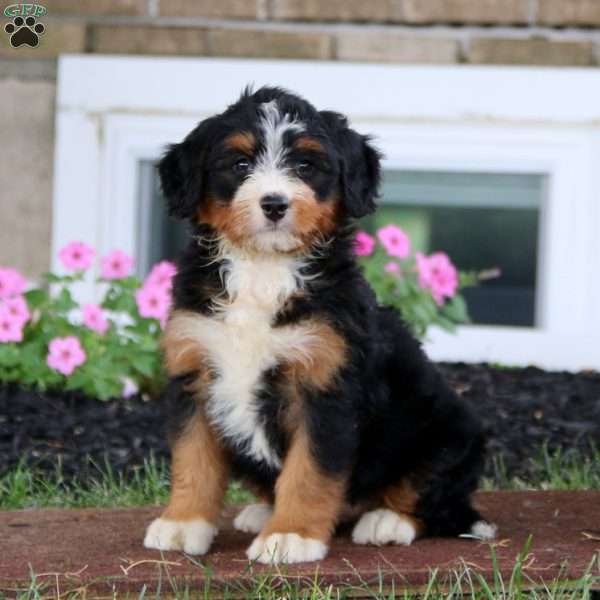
102 549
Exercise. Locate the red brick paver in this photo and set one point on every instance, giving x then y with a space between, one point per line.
102 549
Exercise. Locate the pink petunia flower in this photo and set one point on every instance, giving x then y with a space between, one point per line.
116 265
423 270
364 244
94 319
154 302
17 309
12 283
393 268
11 328
438 274
76 256
65 354
394 240
162 274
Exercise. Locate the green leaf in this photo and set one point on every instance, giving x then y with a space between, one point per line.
36 298
456 310
9 355
52 278
105 389
64 301
144 363
445 324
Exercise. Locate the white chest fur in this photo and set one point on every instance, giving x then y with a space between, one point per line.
241 344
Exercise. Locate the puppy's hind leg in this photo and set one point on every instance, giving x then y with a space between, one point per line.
445 503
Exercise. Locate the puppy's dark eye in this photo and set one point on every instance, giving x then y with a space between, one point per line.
304 168
242 166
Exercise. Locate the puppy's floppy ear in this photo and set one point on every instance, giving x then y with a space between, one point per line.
360 168
182 171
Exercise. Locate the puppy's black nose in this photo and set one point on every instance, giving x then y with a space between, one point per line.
274 207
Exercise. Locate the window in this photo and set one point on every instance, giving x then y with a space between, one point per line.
160 237
482 221
491 176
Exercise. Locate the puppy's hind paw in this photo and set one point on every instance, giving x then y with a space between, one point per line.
253 517
484 531
383 526
193 537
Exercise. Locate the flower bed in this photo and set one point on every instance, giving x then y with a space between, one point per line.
62 365
105 350
523 408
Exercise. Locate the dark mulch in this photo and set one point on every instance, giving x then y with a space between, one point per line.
526 409
523 408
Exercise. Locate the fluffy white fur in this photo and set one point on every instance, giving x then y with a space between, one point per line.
383 526
241 344
274 126
193 537
253 517
286 548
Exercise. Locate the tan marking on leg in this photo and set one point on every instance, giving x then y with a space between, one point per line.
322 358
199 473
307 501
402 498
352 512
261 493
242 141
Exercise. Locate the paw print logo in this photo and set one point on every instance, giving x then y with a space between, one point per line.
24 31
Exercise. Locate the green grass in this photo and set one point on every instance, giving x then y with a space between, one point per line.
558 470
466 581
149 485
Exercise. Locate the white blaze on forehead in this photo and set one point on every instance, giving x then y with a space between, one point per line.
268 177
274 126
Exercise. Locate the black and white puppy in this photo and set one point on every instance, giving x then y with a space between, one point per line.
285 372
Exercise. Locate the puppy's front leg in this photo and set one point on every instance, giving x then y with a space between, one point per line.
307 504
199 475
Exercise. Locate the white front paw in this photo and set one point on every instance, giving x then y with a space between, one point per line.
253 517
383 526
286 548
193 537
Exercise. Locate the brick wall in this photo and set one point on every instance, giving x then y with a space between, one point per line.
550 32
523 32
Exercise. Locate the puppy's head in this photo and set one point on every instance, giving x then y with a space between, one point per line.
271 173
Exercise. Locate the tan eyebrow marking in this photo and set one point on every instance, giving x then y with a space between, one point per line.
242 141
308 143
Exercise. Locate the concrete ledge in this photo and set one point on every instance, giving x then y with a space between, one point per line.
102 549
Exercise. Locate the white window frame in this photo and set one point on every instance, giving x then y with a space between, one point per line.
113 112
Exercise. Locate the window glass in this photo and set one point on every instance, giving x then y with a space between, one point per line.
482 221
